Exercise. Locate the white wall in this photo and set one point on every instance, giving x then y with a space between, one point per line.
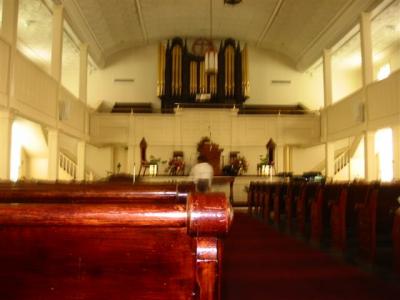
264 66
165 133
305 159
38 168
141 65
99 160
344 82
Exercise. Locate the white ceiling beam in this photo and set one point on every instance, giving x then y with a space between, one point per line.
78 22
141 21
270 21
343 22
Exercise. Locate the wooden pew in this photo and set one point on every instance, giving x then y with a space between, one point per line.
303 207
396 240
320 210
279 202
375 224
113 250
343 219
98 192
291 198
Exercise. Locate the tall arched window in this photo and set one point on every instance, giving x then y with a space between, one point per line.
384 151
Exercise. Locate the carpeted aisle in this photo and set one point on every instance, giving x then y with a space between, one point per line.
261 263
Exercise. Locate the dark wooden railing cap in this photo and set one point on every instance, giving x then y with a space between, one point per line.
209 214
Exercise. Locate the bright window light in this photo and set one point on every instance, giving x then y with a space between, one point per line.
384 151
17 136
383 72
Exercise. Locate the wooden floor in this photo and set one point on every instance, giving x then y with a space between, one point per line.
262 263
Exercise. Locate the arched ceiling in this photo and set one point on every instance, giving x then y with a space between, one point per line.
297 29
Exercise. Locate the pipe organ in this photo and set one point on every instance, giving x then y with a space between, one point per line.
182 77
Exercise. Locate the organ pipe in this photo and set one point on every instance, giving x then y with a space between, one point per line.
182 74
203 79
245 80
176 71
229 71
161 70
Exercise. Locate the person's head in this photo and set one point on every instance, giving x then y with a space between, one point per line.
202 159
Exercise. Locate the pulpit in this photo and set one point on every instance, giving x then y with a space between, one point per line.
213 154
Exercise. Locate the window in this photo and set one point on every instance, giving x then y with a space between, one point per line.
70 61
1 13
35 24
385 30
384 151
383 72
346 65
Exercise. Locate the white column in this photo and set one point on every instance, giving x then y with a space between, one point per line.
178 129
329 160
57 45
327 68
370 157
131 158
6 119
287 161
53 145
83 69
10 21
130 161
396 152
9 30
366 48
81 160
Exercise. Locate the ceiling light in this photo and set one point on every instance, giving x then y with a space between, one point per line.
211 55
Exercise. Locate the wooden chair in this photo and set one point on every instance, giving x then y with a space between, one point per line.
144 164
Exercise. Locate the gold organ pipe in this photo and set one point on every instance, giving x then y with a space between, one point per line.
179 71
195 77
159 71
203 78
162 69
174 71
245 81
233 72
191 77
226 70
229 71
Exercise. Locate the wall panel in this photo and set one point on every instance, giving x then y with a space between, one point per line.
34 91
4 63
383 101
72 111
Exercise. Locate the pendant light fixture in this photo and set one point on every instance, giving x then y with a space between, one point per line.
211 55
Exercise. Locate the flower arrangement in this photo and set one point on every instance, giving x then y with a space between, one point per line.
176 166
238 166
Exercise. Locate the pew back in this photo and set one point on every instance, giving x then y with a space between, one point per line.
112 250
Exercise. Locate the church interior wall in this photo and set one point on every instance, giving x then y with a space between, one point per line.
165 133
140 64
100 160
345 81
305 159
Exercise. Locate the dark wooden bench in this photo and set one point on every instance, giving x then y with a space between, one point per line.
343 219
95 192
375 224
291 198
111 249
307 195
320 211
396 240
